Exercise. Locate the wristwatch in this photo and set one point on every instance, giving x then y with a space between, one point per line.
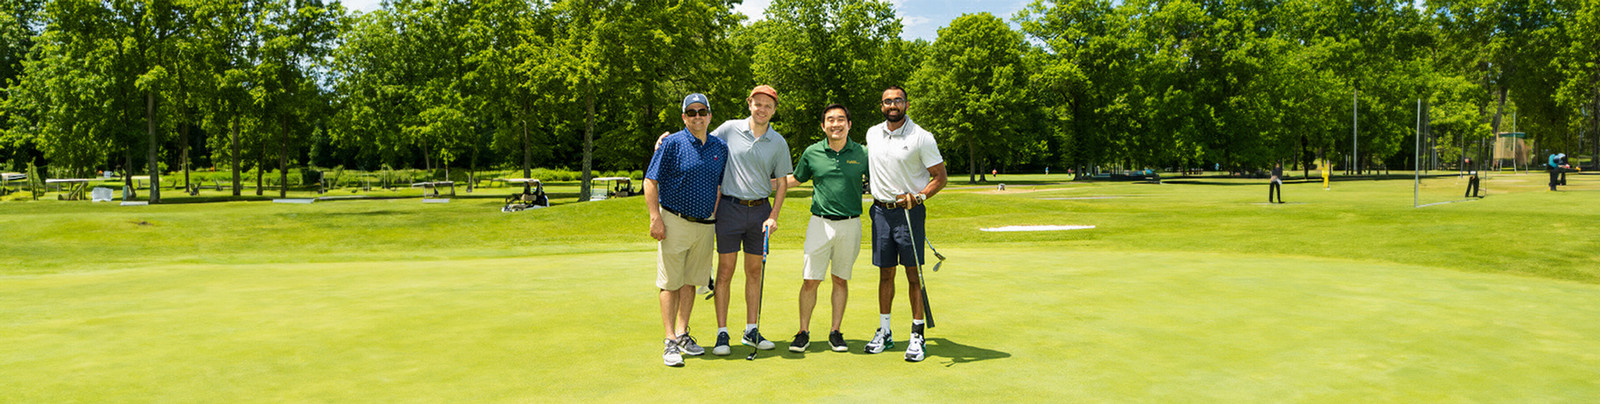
920 197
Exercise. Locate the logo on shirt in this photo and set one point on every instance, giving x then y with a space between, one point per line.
852 162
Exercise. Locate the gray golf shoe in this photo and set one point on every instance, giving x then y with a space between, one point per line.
672 356
689 347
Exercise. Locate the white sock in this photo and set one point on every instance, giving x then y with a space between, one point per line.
748 327
723 330
883 321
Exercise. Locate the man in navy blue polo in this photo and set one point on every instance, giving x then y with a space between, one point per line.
683 182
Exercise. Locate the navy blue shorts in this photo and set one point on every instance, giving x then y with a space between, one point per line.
740 226
891 242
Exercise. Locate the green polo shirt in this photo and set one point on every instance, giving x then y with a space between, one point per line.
836 177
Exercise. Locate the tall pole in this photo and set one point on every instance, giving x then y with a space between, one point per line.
1355 121
1416 160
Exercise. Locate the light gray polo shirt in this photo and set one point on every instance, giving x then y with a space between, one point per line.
752 162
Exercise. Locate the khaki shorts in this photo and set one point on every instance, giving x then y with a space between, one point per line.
686 256
835 242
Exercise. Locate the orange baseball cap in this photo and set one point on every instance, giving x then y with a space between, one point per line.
765 89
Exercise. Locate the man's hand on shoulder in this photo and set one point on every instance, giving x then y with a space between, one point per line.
660 140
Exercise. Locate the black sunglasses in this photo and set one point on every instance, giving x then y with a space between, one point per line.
697 112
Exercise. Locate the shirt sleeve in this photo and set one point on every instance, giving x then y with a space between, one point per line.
657 160
722 153
785 164
928 149
802 171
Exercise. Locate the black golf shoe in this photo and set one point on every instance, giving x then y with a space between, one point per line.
836 340
801 341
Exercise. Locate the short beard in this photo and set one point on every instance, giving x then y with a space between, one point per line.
895 118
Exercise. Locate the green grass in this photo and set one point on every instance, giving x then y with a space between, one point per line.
1183 292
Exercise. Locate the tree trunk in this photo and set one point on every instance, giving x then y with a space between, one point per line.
283 158
1305 169
127 176
261 160
588 143
1500 106
972 162
183 137
233 133
527 158
150 128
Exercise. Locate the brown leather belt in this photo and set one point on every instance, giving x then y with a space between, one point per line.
895 205
751 203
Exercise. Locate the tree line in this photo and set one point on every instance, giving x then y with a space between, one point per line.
165 86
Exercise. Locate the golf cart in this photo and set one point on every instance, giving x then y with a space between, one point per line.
531 197
617 187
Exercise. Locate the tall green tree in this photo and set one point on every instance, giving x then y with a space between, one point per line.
817 52
296 36
972 90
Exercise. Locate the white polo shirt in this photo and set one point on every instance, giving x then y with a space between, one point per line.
898 161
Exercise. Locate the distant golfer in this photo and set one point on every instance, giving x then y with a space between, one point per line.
1275 185
682 181
1556 169
1327 173
1472 179
837 166
906 169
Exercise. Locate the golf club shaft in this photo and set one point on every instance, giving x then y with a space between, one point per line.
922 282
761 287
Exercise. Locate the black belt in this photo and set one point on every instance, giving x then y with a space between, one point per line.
690 218
751 203
837 218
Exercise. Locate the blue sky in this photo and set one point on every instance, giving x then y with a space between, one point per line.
922 18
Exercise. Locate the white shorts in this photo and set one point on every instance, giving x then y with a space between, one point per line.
835 242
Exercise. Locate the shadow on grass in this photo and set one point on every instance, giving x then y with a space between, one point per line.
937 347
958 353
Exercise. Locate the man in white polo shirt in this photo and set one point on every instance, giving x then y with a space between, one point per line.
905 169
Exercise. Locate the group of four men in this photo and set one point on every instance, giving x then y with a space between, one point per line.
704 186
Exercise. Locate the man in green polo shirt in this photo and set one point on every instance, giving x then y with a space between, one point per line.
837 166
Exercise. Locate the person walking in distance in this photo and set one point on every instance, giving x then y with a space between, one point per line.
1275 185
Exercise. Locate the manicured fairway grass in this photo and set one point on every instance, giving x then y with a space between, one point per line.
1183 292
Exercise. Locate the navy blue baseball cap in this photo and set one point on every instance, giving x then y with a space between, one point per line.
695 98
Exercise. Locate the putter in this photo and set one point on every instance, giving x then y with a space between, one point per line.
922 284
766 240
936 253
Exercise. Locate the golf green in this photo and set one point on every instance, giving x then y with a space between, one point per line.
1183 292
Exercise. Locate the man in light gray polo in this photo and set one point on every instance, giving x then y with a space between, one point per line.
756 155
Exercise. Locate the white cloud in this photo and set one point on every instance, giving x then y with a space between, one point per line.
365 6
755 9
912 21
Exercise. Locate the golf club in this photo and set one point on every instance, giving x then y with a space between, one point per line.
936 253
766 237
922 281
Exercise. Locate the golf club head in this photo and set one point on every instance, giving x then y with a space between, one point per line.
936 254
752 356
